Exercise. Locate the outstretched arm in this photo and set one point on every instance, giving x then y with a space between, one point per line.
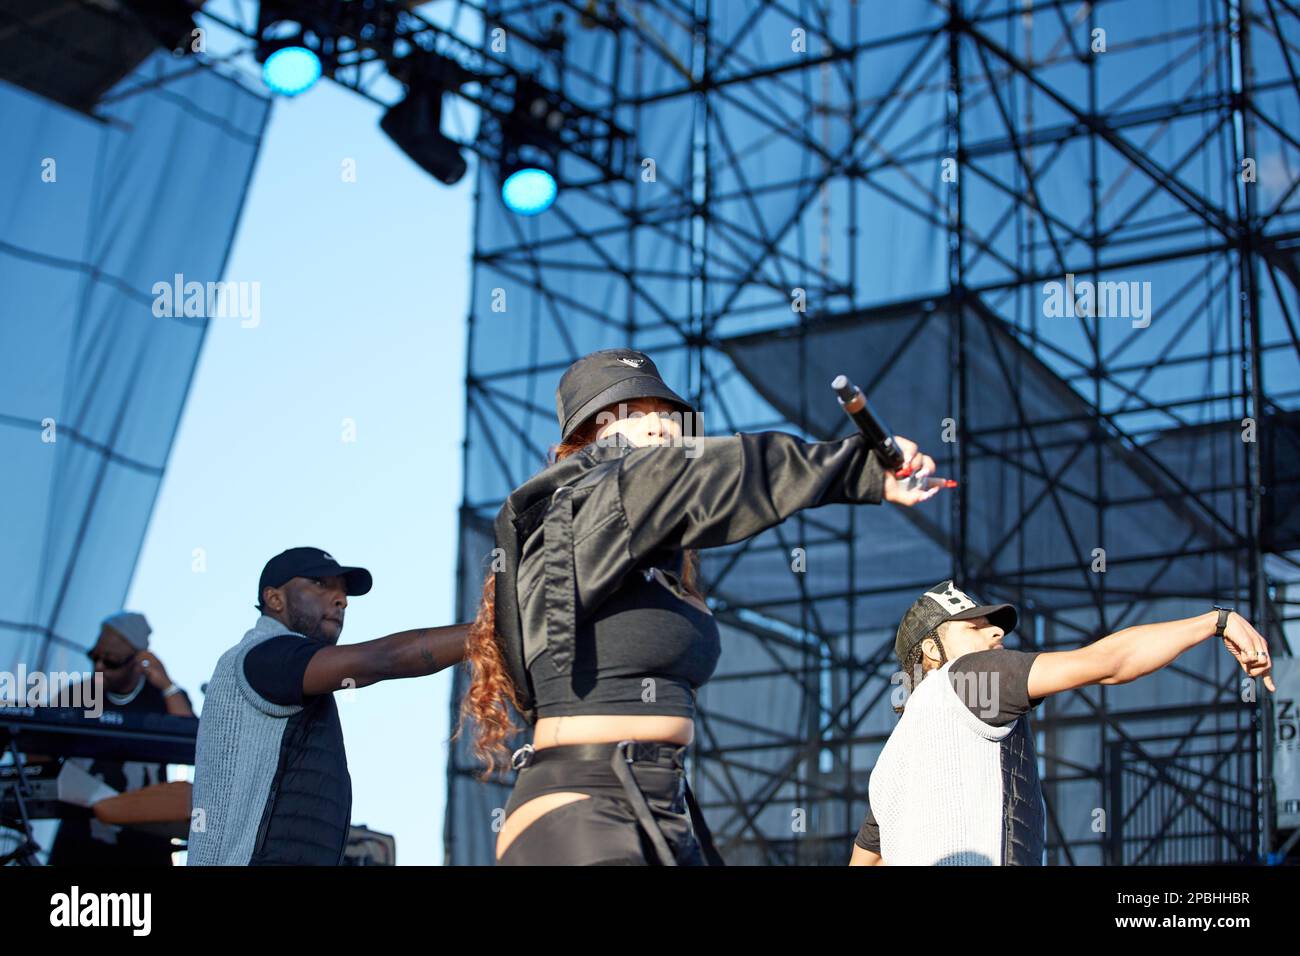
1137 651
412 653
713 492
730 489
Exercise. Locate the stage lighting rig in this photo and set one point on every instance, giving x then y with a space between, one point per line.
293 46
527 125
530 149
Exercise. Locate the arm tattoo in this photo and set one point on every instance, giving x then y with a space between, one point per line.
426 653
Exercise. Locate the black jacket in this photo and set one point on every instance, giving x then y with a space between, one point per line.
605 510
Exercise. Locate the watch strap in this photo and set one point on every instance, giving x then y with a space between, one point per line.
1224 614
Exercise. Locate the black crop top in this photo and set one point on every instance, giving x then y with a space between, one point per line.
643 651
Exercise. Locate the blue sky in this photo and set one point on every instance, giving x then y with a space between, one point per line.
364 297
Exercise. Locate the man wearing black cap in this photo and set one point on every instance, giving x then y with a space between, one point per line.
271 774
957 781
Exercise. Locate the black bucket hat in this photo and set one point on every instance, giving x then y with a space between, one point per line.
608 376
946 602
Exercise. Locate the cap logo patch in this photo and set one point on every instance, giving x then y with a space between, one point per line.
634 362
950 599
327 556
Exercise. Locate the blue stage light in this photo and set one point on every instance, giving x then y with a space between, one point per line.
529 191
291 70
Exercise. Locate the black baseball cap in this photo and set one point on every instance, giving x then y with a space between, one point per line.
311 563
608 376
946 602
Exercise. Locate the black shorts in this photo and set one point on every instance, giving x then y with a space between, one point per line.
639 811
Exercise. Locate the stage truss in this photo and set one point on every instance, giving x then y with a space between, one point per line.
888 190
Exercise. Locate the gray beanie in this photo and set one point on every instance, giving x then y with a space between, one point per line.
131 626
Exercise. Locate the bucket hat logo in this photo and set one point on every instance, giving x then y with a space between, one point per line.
634 362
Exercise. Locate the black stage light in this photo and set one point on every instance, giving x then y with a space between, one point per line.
415 125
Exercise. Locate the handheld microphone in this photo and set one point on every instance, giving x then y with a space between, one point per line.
877 433
856 406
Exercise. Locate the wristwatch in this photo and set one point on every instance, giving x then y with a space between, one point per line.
1224 613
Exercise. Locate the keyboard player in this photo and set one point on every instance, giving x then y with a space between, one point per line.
135 681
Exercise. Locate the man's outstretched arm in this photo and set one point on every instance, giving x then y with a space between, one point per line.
413 653
1137 651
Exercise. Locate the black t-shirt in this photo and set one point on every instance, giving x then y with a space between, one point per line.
869 833
994 684
276 667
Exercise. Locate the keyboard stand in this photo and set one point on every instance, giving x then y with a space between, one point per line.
25 853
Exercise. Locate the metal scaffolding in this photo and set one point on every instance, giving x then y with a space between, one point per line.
893 190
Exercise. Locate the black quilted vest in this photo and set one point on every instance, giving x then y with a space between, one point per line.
1024 817
306 818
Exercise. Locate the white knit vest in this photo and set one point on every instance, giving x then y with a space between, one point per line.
936 790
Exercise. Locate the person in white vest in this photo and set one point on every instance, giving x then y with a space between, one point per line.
957 781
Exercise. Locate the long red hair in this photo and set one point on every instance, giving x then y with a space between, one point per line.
491 699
